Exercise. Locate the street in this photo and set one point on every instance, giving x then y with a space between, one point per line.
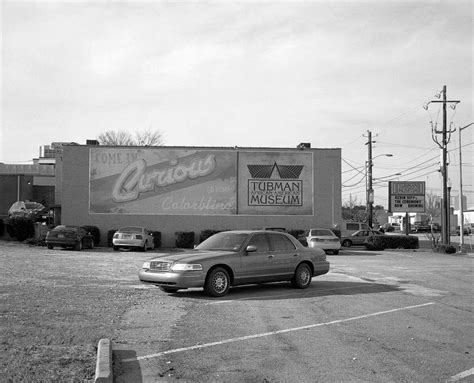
387 316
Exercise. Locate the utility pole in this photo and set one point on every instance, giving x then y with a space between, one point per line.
445 213
370 191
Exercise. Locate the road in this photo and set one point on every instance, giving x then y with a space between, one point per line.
391 316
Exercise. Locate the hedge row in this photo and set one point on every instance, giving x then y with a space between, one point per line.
19 227
381 242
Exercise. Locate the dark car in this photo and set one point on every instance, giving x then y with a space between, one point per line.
69 236
466 230
359 237
234 258
421 227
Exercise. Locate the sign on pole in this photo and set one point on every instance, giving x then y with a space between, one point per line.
406 196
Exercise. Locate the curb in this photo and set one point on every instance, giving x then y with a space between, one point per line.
103 369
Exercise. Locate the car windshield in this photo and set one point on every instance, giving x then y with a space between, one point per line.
131 229
223 241
320 232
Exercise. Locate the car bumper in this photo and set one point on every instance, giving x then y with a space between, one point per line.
62 242
128 242
181 280
321 268
325 245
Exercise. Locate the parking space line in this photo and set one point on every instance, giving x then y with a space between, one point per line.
461 375
255 336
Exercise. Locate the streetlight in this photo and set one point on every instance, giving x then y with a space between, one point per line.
370 190
461 212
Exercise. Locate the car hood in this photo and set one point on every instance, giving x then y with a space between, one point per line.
191 255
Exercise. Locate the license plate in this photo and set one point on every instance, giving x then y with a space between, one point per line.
60 235
127 236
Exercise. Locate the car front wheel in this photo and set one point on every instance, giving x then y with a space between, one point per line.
302 277
79 246
217 282
347 243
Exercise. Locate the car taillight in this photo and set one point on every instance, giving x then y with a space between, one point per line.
116 235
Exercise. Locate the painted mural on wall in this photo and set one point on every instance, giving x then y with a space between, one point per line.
275 183
165 181
162 181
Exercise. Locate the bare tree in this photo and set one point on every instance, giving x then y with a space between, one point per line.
123 138
148 138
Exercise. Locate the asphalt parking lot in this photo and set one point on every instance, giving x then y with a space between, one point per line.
386 316
377 316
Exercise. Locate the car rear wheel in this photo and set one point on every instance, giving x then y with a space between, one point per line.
50 246
347 243
302 277
217 282
169 290
116 248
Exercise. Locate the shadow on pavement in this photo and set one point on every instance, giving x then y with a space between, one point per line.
284 290
126 372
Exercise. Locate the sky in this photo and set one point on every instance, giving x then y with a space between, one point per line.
247 74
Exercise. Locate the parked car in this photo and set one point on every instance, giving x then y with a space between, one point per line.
28 209
359 237
421 227
232 258
133 237
466 231
324 239
69 236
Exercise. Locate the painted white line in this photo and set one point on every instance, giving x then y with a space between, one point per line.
242 338
461 375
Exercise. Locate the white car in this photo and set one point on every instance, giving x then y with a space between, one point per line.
133 237
324 239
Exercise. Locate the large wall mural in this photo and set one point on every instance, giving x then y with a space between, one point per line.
162 181
199 182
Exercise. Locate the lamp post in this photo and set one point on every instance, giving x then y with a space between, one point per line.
461 207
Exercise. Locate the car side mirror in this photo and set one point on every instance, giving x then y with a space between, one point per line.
251 248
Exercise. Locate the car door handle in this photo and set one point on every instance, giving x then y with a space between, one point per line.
295 255
271 256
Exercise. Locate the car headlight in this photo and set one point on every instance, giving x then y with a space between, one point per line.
186 267
146 265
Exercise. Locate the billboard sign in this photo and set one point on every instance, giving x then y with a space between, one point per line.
275 183
406 196
162 181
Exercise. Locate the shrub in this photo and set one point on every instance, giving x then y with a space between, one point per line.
156 238
205 234
110 236
382 242
299 235
94 230
2 228
21 228
448 249
185 239
296 233
337 232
